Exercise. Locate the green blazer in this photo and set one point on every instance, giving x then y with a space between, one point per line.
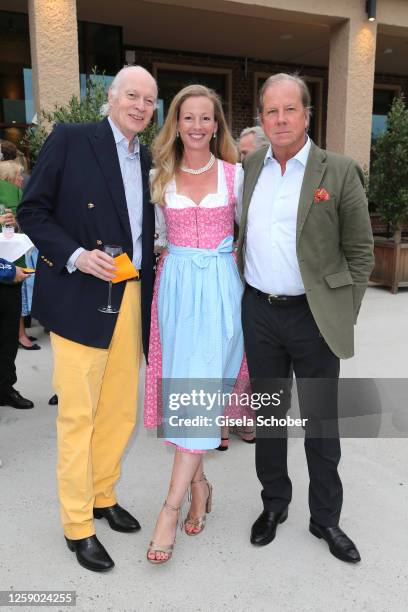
334 241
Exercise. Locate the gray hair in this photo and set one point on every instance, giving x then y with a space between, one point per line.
9 169
283 76
116 83
257 131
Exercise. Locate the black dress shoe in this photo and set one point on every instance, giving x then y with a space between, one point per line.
264 529
221 447
33 347
340 545
53 401
91 554
118 518
15 400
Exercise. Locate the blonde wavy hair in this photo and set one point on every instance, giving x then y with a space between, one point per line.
167 149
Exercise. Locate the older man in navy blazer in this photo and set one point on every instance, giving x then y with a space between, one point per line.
90 188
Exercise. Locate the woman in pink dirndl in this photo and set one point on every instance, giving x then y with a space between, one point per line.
196 335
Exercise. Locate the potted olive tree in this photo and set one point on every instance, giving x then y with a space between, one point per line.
388 188
86 110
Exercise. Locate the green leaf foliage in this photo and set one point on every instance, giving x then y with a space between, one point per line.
388 186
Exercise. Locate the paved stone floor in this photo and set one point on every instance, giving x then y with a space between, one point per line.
219 570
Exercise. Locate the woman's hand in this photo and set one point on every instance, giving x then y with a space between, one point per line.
160 250
163 252
8 218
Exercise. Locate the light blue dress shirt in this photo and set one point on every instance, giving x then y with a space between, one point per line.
132 182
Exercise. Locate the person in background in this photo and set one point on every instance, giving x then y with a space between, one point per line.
11 181
8 150
251 139
31 262
21 158
11 277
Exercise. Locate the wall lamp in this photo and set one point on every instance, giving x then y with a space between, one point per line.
371 9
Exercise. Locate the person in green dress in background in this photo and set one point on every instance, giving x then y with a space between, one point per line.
11 181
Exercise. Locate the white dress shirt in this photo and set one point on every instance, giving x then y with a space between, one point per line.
271 263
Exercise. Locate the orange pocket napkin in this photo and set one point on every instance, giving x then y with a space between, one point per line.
125 269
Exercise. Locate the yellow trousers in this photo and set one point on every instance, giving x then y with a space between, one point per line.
97 403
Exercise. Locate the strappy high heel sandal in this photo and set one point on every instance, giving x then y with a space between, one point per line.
167 549
199 522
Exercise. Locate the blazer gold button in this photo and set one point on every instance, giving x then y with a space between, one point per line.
99 242
90 205
155 236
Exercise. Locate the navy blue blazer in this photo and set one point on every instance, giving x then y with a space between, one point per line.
76 198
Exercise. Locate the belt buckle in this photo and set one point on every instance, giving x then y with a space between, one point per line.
276 298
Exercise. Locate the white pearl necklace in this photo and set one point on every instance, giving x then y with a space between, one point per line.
207 166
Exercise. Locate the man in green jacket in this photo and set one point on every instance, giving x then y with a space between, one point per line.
305 249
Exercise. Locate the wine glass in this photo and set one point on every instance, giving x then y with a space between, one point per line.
112 250
6 228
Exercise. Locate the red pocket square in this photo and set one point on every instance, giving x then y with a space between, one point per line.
321 195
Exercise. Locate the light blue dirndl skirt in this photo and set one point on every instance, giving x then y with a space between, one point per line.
199 315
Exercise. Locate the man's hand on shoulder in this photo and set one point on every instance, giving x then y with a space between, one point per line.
97 263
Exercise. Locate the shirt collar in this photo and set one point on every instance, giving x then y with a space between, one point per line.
301 155
122 141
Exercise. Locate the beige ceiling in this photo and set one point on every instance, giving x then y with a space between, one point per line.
167 26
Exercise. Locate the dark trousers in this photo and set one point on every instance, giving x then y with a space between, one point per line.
280 335
10 312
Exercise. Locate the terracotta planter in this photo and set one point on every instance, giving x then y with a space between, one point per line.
391 263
